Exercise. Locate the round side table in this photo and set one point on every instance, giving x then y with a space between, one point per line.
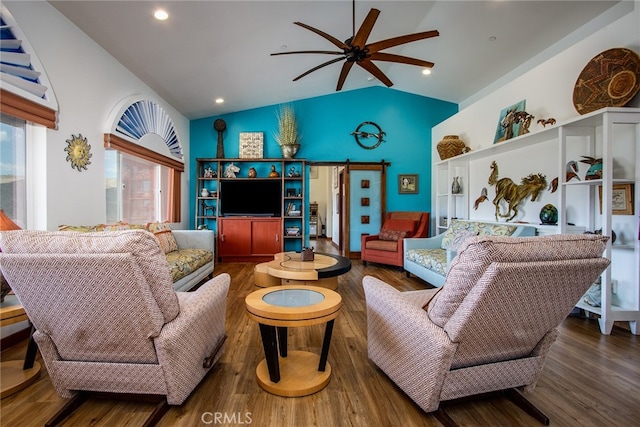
294 373
17 374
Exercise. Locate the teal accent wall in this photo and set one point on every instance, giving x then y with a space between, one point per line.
326 123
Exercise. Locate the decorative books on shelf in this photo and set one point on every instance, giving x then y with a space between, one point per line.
293 231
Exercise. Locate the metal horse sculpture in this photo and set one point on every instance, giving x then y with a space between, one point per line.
513 194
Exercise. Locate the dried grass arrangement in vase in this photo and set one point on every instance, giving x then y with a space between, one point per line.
288 136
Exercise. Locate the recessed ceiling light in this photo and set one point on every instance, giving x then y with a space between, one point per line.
426 71
493 38
219 100
161 15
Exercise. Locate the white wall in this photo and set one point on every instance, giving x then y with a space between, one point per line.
320 193
88 84
548 91
547 88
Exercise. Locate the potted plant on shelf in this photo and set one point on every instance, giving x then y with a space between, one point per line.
288 136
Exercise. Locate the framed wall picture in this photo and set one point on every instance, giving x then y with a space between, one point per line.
251 144
508 124
408 184
621 199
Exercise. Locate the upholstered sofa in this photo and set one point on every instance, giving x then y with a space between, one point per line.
190 253
430 258
386 247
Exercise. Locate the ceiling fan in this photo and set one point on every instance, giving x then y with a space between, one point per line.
355 50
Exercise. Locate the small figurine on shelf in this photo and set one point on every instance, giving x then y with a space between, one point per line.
209 172
274 173
231 170
252 173
204 192
292 172
206 208
595 171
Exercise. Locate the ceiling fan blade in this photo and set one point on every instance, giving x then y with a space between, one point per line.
346 67
332 39
360 38
396 41
375 71
317 68
390 57
326 52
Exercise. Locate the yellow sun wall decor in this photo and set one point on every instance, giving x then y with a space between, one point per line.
78 152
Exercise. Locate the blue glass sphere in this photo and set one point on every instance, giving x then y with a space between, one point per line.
549 214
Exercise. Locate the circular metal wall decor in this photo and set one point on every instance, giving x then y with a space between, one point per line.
78 152
368 135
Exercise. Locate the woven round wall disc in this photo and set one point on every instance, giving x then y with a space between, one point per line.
610 79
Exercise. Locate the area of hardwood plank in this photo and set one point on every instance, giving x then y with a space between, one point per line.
589 379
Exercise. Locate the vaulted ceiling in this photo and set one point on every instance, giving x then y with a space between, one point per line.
221 49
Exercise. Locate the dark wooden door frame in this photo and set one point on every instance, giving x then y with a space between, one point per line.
345 194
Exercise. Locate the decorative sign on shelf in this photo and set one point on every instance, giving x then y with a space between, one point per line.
251 144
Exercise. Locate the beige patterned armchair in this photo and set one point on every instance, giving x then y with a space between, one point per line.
490 326
107 318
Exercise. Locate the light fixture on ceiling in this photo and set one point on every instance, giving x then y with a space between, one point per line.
161 15
219 100
426 71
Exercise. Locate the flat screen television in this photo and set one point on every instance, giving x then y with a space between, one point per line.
250 197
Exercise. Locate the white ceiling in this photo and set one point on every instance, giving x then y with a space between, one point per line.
211 49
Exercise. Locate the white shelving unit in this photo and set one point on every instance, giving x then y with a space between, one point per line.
612 134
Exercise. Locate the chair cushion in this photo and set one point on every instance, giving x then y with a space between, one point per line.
186 261
459 237
431 259
480 228
392 235
165 237
478 253
382 245
407 225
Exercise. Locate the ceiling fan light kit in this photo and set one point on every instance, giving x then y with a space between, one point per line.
355 50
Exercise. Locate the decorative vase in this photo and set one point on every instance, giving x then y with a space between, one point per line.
252 173
204 192
289 150
549 214
451 146
456 187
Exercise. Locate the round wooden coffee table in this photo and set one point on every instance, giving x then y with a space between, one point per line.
17 374
294 373
287 268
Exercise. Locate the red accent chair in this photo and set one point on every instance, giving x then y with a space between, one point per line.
387 246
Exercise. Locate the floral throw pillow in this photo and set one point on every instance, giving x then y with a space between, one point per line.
165 237
393 235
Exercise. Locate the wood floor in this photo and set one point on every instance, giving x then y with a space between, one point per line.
589 379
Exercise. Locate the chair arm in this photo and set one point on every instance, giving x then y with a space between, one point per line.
195 239
186 341
413 351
